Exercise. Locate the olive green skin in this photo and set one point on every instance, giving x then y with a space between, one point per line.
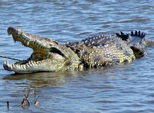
92 52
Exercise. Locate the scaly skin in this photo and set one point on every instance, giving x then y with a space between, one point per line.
47 54
93 52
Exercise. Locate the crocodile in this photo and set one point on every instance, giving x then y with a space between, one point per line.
93 52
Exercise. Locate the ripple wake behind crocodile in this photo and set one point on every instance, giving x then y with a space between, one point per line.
93 52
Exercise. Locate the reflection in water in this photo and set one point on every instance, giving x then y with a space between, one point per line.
39 80
58 79
54 79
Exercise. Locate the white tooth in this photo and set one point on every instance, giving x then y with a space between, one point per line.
18 66
27 42
30 63
21 66
13 65
24 67
27 65
34 63
7 62
9 65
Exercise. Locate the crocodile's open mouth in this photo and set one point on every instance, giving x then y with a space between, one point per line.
43 50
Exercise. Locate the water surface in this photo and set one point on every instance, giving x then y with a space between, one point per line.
120 89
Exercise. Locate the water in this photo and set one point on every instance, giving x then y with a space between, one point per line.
120 89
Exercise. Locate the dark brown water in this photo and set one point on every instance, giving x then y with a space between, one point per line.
120 89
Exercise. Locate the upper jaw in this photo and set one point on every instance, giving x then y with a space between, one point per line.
29 40
33 41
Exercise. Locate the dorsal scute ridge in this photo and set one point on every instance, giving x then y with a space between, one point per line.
99 41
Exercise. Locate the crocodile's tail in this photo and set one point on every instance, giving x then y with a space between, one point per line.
136 41
136 38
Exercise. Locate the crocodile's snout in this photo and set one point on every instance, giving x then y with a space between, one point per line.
11 30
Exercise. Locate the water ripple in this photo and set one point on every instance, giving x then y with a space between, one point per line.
127 88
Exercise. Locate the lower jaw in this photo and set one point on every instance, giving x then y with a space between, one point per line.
25 68
17 70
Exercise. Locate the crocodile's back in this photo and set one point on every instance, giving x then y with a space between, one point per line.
102 50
